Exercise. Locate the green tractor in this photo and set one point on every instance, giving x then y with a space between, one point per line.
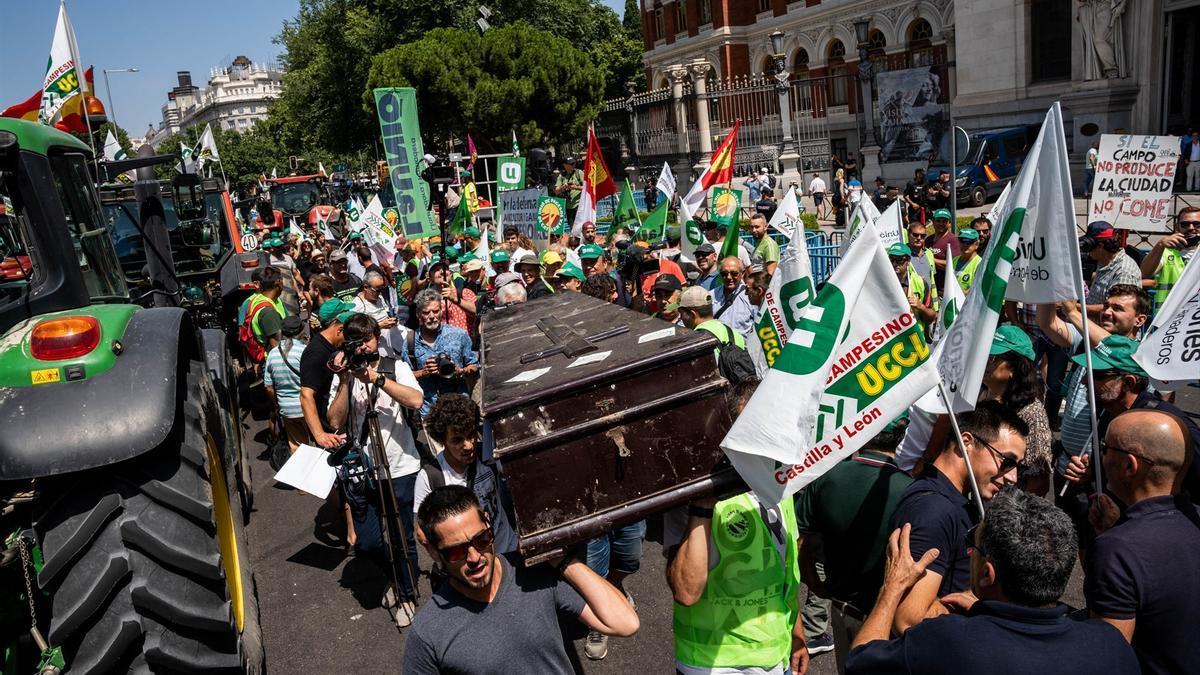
122 477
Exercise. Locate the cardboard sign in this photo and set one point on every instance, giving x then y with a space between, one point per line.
1134 179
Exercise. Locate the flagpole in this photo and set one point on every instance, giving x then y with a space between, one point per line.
963 448
1091 392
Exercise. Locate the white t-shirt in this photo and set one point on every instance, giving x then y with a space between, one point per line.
402 455
391 338
817 185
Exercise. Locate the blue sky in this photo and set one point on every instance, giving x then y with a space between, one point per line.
193 36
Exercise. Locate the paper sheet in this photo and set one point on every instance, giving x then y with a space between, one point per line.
528 375
594 357
309 471
657 335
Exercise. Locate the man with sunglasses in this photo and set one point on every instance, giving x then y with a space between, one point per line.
494 613
966 263
938 507
1166 260
983 226
917 288
1011 621
731 306
1140 575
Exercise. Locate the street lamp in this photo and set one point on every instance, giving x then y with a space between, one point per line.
112 108
783 88
866 74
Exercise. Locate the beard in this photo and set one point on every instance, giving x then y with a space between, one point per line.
478 575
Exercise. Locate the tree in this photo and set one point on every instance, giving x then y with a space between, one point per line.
633 20
513 76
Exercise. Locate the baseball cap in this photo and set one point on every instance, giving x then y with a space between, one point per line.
472 265
695 296
338 254
968 234
590 252
941 213
527 259
667 282
1100 229
1114 352
899 249
292 326
1010 338
499 256
854 182
570 270
467 257
672 232
507 278
472 231
706 249
335 310
355 236
551 258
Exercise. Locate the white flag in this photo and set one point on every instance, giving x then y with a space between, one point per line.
1170 351
112 149
64 79
969 339
856 359
864 212
890 225
791 290
952 303
786 218
207 147
273 173
483 250
321 169
383 236
994 214
1046 267
185 165
666 181
293 228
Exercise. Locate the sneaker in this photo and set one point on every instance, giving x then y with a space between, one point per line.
820 644
390 598
596 646
405 612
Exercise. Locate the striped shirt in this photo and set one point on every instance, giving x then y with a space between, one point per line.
277 374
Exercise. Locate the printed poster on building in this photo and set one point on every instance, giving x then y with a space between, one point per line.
912 120
1134 179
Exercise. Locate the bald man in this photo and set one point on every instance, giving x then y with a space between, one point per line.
1142 571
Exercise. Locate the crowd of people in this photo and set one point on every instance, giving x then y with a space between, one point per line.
883 560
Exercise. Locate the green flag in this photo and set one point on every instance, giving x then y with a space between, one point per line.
402 148
516 149
654 227
726 206
462 218
627 211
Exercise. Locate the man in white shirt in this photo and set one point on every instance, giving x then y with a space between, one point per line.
817 190
351 397
1192 157
372 301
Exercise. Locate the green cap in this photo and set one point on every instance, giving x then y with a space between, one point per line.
570 270
472 232
355 236
941 213
591 251
272 242
335 310
1114 352
467 257
968 234
451 254
1010 338
899 249
499 256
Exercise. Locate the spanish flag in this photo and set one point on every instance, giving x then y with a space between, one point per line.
990 173
71 118
27 110
720 170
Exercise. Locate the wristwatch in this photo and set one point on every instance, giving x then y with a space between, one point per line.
380 380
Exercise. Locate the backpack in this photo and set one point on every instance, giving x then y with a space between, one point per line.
733 362
254 349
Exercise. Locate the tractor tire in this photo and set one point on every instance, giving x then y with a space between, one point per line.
146 560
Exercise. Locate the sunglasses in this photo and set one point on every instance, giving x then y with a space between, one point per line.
1008 462
1105 447
730 274
967 242
898 259
971 538
459 552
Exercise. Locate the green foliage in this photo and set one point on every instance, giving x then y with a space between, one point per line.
632 21
810 221
512 76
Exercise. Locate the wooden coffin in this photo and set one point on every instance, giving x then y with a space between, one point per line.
600 416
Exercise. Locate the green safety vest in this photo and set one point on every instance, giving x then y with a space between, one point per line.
717 328
966 274
746 613
256 300
918 286
1170 268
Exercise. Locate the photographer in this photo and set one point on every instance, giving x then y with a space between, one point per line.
361 388
316 375
440 355
569 185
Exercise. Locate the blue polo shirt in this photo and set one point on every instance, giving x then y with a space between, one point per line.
1000 638
940 516
1147 567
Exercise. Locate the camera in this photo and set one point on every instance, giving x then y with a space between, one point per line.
445 365
1192 239
356 360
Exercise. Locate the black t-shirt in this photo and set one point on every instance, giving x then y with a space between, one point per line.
316 375
940 516
346 290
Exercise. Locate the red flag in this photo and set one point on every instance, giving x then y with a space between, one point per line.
596 178
27 110
720 170
471 152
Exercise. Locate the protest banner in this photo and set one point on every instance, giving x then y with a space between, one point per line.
726 206
786 219
520 209
403 149
855 360
890 225
1134 179
790 291
1170 351
510 173
551 215
862 212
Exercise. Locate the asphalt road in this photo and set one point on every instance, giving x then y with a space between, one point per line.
320 609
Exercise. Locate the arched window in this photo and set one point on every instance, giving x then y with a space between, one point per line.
800 65
875 44
920 45
837 85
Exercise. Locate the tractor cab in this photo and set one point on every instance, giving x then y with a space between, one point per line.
295 196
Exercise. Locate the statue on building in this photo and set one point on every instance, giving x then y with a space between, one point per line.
1103 38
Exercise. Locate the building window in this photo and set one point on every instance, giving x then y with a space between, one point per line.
680 16
1049 53
920 45
800 65
836 87
875 45
764 6
705 12
660 24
